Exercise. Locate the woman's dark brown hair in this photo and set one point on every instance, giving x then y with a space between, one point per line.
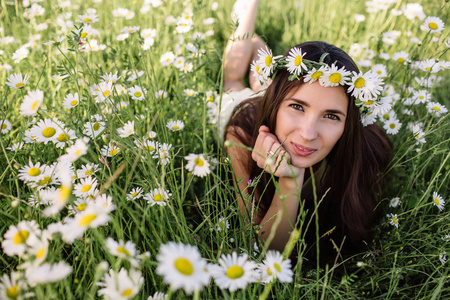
353 167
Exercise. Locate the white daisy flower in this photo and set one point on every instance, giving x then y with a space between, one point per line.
87 18
274 267
434 24
79 206
135 193
16 237
16 81
157 197
418 134
197 164
182 267
380 70
233 272
32 172
365 86
121 285
77 150
86 187
71 101
429 65
314 74
158 296
223 224
167 58
175 125
87 170
161 94
13 286
392 126
123 250
401 57
295 62
266 60
190 93
31 103
46 130
438 201
5 126
20 54
131 29
94 129
111 77
394 202
179 62
257 73
110 150
126 130
163 153
103 91
151 146
393 219
137 93
48 273
436 109
334 76
421 96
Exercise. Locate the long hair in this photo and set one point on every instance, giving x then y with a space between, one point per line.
354 165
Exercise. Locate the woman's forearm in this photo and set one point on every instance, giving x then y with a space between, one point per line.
287 205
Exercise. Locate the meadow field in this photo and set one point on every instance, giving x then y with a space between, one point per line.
114 184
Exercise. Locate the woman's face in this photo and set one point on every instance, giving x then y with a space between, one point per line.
310 122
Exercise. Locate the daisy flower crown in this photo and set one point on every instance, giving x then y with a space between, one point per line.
366 87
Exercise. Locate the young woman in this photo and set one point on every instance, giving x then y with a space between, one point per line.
296 125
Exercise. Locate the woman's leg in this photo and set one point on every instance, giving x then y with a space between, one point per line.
241 48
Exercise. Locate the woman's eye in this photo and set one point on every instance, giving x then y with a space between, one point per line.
332 117
296 106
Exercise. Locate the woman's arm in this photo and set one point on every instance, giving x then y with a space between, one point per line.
290 183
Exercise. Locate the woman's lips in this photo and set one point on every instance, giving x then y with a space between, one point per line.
302 150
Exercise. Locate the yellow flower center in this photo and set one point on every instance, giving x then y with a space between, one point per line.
277 267
96 126
87 20
268 60
359 83
401 60
210 99
157 197
86 188
40 253
3 126
175 127
89 172
81 207
19 85
34 171
184 266
34 105
222 225
122 250
74 102
134 194
49 132
433 26
65 192
127 292
369 102
138 94
316 75
421 97
298 60
63 137
257 70
386 116
235 272
83 35
113 152
378 72
392 125
21 237
45 181
335 77
394 219
269 271
428 68
436 108
150 148
106 93
416 135
199 162
13 292
86 220
436 201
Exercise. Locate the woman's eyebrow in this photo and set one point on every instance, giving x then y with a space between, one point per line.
331 111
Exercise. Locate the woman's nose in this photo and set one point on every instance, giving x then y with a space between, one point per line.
308 129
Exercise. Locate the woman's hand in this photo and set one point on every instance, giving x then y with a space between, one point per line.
270 155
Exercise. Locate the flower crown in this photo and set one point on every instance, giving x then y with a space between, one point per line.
366 87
